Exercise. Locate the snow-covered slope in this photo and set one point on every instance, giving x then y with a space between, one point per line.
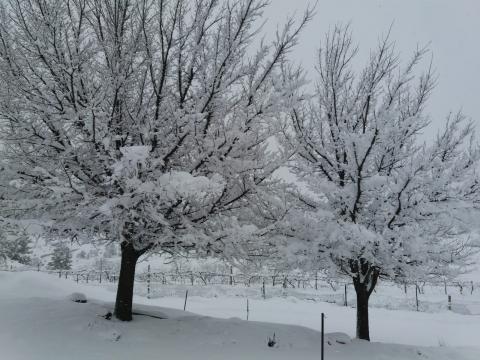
39 322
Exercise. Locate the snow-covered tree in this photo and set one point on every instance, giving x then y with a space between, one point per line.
61 258
378 203
15 244
145 121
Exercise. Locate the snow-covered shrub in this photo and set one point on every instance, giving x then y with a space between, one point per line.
78 297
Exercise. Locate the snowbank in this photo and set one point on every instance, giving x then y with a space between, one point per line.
40 323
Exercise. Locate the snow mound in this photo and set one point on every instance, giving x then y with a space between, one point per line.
78 297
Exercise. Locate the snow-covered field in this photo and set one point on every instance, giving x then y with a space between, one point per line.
38 321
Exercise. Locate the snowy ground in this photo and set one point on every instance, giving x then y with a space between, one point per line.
39 322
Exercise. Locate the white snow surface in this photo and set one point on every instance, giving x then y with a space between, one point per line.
39 322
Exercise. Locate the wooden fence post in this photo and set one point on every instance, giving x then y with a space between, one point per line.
416 295
148 282
101 270
185 304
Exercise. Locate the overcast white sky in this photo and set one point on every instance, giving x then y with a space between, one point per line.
452 27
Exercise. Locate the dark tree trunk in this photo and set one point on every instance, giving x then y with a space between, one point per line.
363 330
364 289
126 280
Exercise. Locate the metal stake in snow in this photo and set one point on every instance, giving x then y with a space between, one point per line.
346 301
248 309
323 337
185 304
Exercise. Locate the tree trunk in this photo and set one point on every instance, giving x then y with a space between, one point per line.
364 286
126 280
363 331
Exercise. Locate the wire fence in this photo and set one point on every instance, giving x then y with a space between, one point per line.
316 286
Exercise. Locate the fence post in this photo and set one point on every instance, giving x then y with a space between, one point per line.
77 278
416 295
445 285
59 274
38 269
263 289
248 309
471 291
323 338
231 276
87 278
148 282
346 299
316 280
66 274
449 302
185 304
